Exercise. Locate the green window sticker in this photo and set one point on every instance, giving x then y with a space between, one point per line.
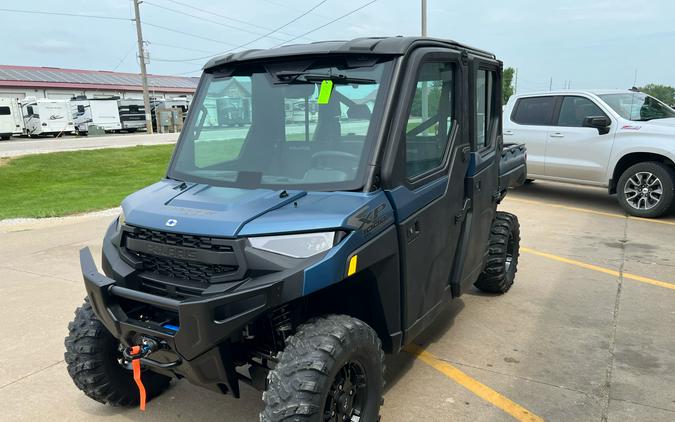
324 93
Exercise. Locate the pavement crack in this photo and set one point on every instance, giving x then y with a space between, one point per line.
606 395
21 270
645 405
30 375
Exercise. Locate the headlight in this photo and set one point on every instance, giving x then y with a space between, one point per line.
121 220
295 245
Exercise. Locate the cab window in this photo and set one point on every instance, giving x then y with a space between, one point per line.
431 118
485 107
535 111
575 109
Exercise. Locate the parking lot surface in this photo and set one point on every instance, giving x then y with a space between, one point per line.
25 146
585 334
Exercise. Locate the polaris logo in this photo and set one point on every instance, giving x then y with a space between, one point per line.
171 222
175 252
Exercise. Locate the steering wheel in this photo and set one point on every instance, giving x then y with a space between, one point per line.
336 160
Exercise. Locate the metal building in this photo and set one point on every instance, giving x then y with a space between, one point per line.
57 83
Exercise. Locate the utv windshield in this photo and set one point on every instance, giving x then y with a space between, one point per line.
638 106
281 126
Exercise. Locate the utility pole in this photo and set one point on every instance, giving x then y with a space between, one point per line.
425 87
550 84
144 73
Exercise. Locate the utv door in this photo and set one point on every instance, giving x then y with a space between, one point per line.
482 182
424 173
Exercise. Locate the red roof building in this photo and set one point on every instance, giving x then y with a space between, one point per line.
54 82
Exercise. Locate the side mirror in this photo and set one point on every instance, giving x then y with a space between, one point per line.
601 123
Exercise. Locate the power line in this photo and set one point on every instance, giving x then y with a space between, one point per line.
305 13
203 19
209 12
177 47
39 12
124 58
328 23
185 33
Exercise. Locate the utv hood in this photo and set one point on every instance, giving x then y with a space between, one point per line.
229 212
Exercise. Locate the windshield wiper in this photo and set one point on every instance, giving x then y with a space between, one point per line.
289 77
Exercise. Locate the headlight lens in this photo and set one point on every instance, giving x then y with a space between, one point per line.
121 220
295 245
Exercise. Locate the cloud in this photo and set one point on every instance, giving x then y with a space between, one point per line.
53 46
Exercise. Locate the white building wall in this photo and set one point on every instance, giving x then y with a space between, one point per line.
61 94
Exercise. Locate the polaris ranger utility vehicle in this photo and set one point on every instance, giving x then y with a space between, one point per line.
291 255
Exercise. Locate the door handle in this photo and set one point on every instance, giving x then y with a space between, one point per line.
557 135
508 132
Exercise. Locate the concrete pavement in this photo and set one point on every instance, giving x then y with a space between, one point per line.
25 146
567 343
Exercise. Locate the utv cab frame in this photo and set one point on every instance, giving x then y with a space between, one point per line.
291 254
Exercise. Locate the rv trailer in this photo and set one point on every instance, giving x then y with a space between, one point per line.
11 120
132 114
46 117
101 112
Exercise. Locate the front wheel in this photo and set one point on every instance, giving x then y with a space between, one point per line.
501 262
331 370
97 367
647 189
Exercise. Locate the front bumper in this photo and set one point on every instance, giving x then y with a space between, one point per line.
198 343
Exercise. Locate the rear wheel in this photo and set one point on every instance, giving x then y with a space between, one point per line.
331 370
96 365
647 189
5 137
501 263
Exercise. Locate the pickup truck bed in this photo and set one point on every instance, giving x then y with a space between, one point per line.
512 167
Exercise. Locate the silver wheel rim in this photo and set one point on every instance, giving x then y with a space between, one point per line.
643 190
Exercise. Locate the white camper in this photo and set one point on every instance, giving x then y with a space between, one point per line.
11 120
102 112
132 114
46 117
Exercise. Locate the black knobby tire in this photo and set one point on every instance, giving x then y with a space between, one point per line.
92 356
666 178
311 368
501 263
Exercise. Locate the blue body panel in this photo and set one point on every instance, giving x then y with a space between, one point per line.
231 212
410 201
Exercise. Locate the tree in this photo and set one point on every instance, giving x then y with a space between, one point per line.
664 93
507 83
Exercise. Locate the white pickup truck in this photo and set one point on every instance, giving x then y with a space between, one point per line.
622 140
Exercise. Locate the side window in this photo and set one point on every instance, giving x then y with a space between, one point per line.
431 118
80 109
575 109
29 109
484 107
536 111
4 111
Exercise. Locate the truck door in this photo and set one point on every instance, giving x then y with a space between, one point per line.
529 123
483 176
424 179
576 152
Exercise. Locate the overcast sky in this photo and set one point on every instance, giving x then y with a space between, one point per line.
592 43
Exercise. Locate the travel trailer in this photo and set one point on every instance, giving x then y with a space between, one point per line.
11 121
102 112
132 114
46 117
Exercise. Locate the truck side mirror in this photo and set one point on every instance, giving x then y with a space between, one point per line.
601 123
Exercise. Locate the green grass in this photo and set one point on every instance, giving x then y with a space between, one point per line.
61 183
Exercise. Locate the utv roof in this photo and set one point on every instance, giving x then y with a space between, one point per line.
394 46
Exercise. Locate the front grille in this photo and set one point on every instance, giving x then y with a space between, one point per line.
177 239
221 259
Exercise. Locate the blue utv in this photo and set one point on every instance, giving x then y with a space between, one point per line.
293 250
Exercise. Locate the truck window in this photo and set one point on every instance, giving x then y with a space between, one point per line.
4 111
29 109
431 118
575 109
536 111
80 109
484 107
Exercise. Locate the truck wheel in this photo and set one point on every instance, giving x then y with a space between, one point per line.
331 370
96 365
647 189
501 262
